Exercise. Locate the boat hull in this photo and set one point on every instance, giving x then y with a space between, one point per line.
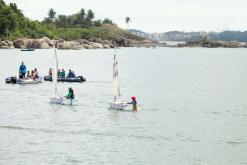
59 79
14 80
61 101
29 81
27 49
119 105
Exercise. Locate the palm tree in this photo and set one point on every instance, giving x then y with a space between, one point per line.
127 21
14 7
80 17
51 15
62 20
90 15
82 13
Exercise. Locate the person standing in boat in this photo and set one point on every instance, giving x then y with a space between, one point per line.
22 70
134 103
70 95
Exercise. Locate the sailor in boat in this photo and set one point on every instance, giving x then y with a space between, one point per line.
28 75
58 73
70 95
22 70
32 73
50 72
71 74
35 74
63 73
134 103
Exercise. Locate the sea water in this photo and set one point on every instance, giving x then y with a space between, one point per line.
193 108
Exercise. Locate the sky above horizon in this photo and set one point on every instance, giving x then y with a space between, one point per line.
151 16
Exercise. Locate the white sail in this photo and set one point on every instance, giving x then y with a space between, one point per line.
54 71
116 85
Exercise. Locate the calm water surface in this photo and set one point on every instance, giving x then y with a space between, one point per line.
194 109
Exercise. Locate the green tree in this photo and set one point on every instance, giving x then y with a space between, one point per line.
62 21
90 15
107 21
82 14
80 18
98 22
8 20
51 15
14 7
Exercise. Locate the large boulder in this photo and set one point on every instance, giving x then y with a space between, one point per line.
82 41
120 42
61 44
6 44
106 46
44 45
245 45
234 44
37 44
20 43
96 45
98 40
48 41
87 46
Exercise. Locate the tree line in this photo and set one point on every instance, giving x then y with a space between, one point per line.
13 24
82 19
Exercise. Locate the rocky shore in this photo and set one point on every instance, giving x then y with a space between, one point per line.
214 44
97 43
94 43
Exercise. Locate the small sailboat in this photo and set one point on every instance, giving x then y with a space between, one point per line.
57 99
117 103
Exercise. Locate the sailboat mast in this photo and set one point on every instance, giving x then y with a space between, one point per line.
116 85
54 71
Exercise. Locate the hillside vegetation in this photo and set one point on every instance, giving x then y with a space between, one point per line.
82 25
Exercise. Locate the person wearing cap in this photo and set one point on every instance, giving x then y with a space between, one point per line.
134 103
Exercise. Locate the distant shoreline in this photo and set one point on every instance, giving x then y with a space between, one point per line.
97 43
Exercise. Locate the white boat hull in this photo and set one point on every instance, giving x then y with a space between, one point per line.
29 81
118 105
61 100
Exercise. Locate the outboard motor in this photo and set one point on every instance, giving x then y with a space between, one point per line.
11 80
82 78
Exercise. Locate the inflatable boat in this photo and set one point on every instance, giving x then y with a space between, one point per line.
14 80
74 79
27 49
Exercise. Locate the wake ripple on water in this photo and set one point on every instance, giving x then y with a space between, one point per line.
82 132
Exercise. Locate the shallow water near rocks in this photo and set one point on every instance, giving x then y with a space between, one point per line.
193 108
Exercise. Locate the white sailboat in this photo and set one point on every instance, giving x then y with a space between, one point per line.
56 99
117 103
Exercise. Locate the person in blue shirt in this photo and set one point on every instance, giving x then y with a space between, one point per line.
22 70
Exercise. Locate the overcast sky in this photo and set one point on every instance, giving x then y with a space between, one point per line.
151 15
